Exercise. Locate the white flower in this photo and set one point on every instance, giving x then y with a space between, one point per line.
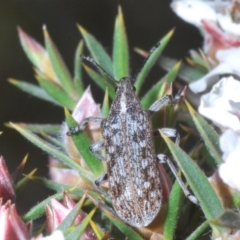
193 11
219 30
229 142
229 64
222 104
227 24
229 171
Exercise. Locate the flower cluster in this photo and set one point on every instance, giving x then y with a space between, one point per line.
11 225
219 24
14 228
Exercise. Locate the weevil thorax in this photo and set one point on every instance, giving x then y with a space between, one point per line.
126 100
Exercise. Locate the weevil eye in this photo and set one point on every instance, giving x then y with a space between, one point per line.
134 89
116 88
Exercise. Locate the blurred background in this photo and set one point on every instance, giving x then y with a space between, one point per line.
146 22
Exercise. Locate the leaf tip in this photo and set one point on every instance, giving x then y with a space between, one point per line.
12 81
120 13
170 33
81 29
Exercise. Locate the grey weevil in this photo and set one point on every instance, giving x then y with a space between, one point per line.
132 163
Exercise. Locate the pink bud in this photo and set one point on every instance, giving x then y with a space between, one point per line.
11 225
6 186
57 212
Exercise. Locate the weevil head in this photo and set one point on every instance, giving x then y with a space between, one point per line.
126 98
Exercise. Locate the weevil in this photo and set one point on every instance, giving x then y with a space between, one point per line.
132 163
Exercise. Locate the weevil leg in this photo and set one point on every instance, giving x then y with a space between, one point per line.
164 159
168 99
157 105
99 181
83 124
170 132
95 147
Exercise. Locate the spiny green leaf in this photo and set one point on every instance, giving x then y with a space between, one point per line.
39 209
198 232
78 231
33 90
78 82
120 48
209 202
54 141
187 73
53 151
151 60
101 81
37 128
153 94
97 51
199 59
58 64
57 93
70 218
58 187
82 142
173 210
24 181
34 51
105 105
210 137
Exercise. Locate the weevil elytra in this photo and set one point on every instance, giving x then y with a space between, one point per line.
132 163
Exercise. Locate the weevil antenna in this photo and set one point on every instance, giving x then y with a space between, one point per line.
89 59
152 50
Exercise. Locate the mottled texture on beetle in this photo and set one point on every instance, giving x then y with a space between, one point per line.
133 174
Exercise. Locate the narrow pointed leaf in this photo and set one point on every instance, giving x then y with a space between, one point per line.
21 183
39 209
54 141
57 93
198 182
33 90
187 73
207 133
97 51
78 82
53 151
173 210
37 128
58 64
76 233
58 187
101 81
82 142
17 175
152 60
70 218
152 95
105 105
198 59
97 230
198 232
34 51
120 48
